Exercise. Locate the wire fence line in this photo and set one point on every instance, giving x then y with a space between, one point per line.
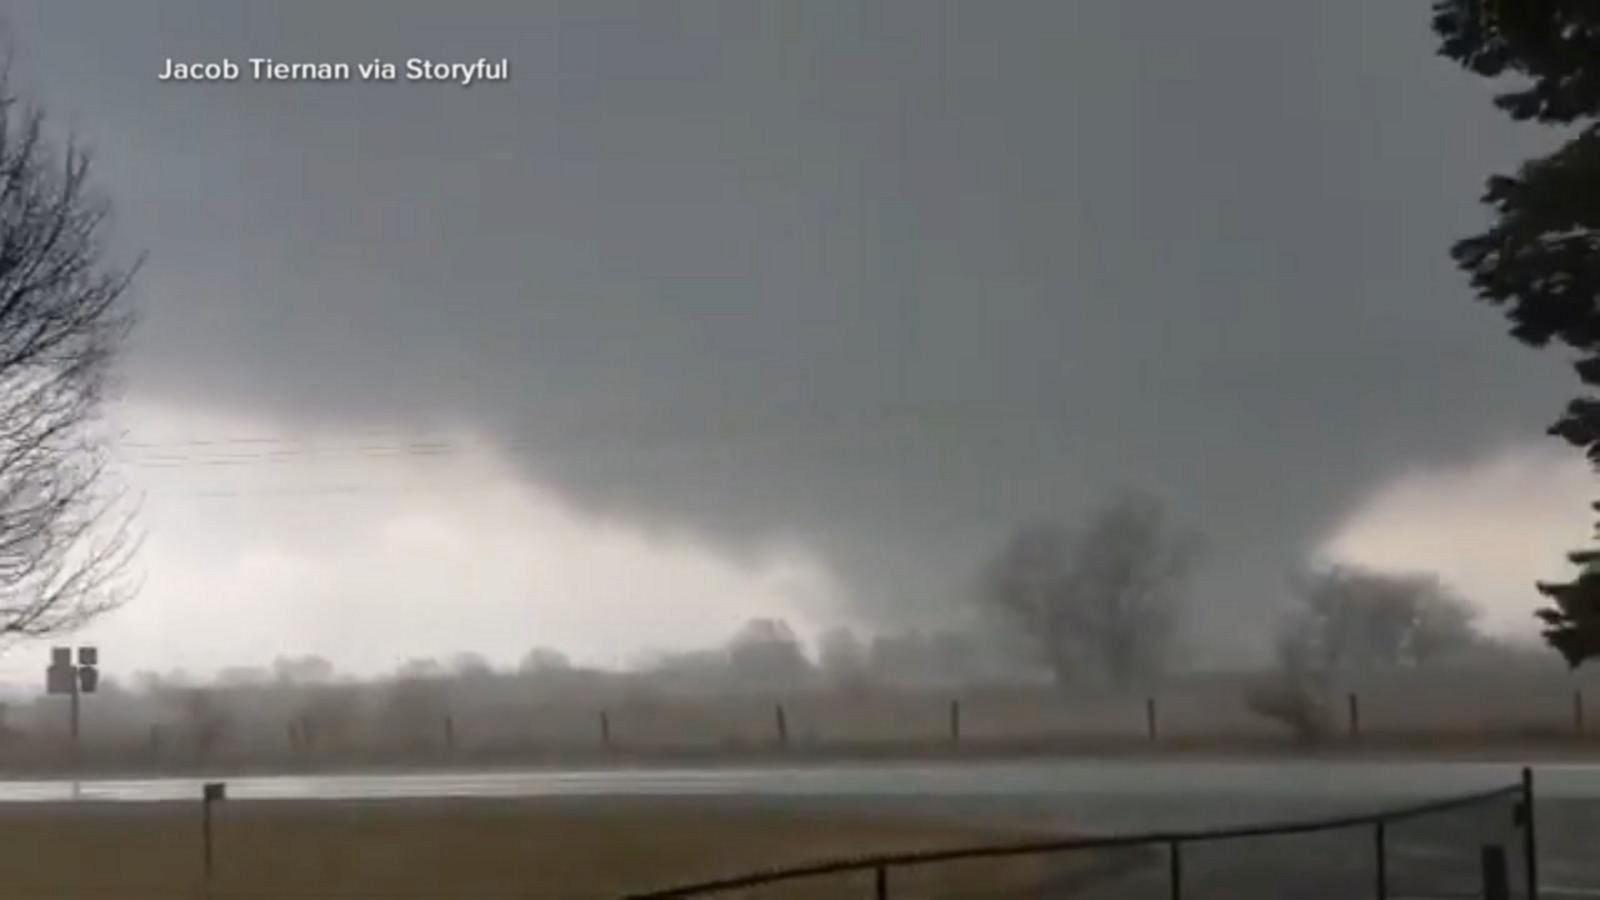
883 868
508 721
1441 848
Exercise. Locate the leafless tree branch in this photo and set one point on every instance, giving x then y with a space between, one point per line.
65 538
1105 598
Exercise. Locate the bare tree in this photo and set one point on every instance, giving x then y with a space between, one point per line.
1103 599
1444 625
1031 584
63 545
1354 618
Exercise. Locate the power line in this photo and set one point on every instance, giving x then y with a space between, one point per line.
178 461
238 452
723 428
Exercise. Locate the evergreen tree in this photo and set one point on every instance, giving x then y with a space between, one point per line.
1540 259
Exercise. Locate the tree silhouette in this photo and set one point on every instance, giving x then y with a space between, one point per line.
1551 46
1572 622
1540 259
1107 594
1352 618
62 552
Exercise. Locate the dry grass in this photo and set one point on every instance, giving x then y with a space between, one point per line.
470 849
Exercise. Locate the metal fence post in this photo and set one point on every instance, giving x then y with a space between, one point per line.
211 792
1175 868
205 836
1380 844
1530 839
77 745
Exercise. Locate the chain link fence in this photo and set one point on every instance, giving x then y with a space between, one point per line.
1480 845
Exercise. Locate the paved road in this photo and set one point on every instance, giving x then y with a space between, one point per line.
1195 791
1436 857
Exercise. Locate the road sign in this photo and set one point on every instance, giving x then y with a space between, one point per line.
216 790
58 679
62 677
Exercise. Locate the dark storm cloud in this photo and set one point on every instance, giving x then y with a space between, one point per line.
880 279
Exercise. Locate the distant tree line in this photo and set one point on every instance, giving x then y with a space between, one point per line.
767 655
1100 604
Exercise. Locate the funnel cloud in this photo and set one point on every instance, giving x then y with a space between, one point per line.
863 286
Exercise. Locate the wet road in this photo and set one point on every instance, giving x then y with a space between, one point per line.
1199 792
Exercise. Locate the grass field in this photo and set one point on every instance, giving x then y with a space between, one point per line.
469 849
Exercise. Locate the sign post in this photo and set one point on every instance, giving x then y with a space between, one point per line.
74 679
77 743
213 792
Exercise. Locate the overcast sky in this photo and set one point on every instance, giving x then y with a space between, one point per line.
728 309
